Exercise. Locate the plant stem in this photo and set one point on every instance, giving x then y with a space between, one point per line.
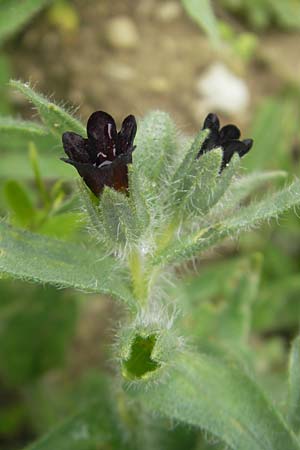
139 276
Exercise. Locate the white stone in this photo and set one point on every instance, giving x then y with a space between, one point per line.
222 90
122 33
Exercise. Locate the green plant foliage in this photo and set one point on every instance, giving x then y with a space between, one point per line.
94 428
5 75
218 303
55 118
261 14
156 147
270 152
19 204
14 164
15 14
206 393
245 218
177 206
202 13
46 317
21 126
294 386
40 259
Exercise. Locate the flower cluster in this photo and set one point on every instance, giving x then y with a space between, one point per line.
102 158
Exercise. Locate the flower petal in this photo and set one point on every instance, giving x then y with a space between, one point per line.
102 133
91 175
126 135
75 147
229 132
229 148
248 145
113 174
211 121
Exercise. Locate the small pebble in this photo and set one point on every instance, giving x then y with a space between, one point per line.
168 11
122 33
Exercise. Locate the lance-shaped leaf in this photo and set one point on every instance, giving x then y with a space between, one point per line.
205 392
120 222
294 386
156 147
243 187
137 197
270 206
244 219
55 118
196 192
40 259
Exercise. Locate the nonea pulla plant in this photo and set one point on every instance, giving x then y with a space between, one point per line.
155 200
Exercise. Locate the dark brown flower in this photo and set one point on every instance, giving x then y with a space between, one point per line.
227 138
101 159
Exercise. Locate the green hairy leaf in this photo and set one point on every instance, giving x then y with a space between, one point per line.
156 148
270 206
32 257
246 218
197 192
243 187
14 14
119 221
206 393
55 118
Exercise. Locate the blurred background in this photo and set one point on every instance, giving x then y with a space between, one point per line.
238 58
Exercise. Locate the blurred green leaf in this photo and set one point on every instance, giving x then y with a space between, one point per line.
94 428
35 328
202 13
45 260
261 14
294 386
62 226
5 75
273 132
14 14
55 118
9 124
19 203
17 165
217 303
